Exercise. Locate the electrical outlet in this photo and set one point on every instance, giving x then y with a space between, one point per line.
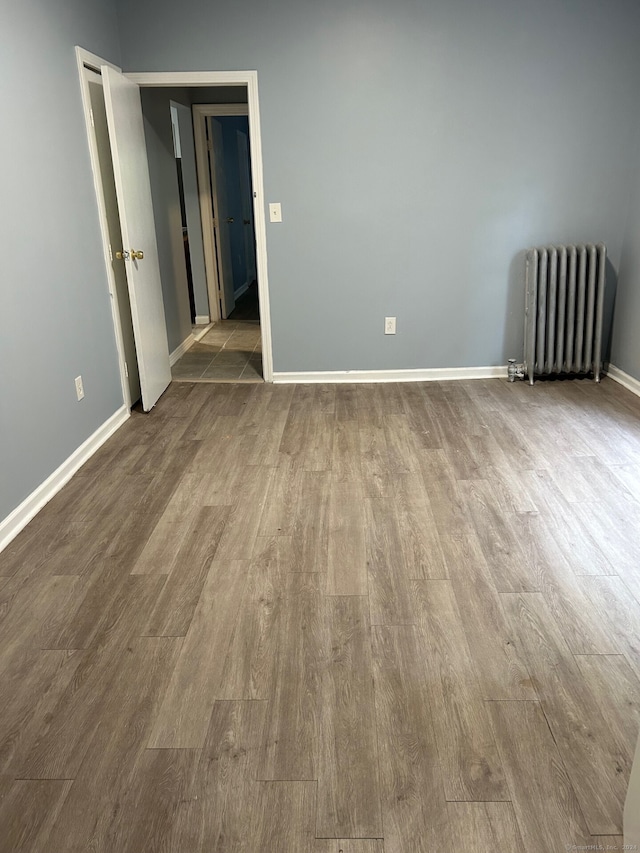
79 388
389 325
275 211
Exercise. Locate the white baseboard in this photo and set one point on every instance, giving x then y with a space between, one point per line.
179 351
432 374
622 378
199 335
202 319
30 506
243 289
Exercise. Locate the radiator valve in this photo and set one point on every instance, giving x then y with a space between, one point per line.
515 371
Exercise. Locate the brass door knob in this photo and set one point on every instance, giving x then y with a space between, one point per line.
122 256
137 256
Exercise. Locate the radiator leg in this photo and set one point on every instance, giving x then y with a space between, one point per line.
515 371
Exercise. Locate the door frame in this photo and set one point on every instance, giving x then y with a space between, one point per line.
85 58
248 79
208 196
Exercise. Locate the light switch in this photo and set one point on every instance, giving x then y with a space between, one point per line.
275 211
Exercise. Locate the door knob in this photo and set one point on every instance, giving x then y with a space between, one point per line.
137 256
229 219
122 256
246 222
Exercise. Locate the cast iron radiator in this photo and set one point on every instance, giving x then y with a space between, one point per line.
563 310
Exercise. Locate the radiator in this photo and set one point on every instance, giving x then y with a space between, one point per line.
564 308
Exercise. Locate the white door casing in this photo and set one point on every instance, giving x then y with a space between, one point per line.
133 189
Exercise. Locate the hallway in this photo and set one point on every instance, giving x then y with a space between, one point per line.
231 351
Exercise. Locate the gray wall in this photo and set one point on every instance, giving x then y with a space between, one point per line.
156 109
416 148
625 350
218 94
55 316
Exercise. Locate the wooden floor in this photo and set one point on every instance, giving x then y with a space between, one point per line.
367 619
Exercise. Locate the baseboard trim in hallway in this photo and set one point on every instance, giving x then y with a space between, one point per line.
30 506
430 374
200 331
180 350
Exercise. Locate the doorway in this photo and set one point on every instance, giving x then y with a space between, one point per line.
238 82
224 179
209 80
231 351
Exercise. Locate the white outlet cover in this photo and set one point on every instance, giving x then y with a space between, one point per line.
389 325
275 211
79 388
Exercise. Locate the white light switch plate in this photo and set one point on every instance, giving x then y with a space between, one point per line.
79 388
275 211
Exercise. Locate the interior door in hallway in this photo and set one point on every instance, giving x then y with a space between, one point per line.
222 219
247 206
133 190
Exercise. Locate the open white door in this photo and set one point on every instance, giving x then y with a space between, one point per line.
221 217
133 189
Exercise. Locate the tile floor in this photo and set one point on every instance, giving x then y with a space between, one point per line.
229 352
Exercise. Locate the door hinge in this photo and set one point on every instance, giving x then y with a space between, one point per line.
93 124
210 144
110 253
126 369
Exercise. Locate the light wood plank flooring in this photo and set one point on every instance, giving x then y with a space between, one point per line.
331 619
